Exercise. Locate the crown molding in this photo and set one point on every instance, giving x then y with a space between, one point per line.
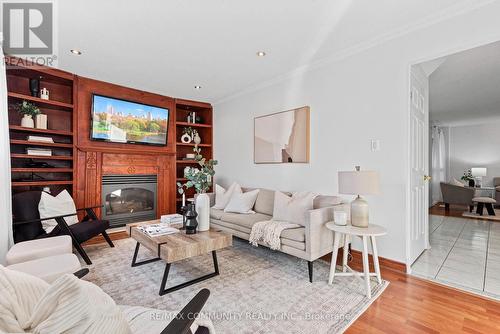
432 19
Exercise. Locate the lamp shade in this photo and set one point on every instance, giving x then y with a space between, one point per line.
478 171
359 182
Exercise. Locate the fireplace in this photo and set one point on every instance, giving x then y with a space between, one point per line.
128 198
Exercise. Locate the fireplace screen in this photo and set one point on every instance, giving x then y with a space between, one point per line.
128 198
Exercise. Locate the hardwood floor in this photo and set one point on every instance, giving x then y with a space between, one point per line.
413 305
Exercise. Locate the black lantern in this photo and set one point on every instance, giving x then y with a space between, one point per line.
191 222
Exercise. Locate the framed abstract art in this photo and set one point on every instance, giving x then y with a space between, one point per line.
282 137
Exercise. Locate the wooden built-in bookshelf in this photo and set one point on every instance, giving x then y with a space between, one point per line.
205 129
30 172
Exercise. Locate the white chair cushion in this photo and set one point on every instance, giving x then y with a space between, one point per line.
39 248
60 205
484 200
49 268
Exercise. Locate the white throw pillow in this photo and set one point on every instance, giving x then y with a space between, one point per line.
242 202
222 196
60 205
455 182
292 209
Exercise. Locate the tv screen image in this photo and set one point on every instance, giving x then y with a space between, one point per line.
122 121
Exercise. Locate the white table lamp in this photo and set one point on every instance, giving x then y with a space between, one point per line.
359 183
478 173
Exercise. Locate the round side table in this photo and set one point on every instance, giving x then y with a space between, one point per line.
370 232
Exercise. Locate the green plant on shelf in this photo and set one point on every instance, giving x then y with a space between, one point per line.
28 108
198 177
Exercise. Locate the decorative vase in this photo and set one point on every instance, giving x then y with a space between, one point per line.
27 121
203 209
186 138
191 222
197 139
471 183
34 87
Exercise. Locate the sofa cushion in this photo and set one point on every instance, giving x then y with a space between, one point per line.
246 220
265 202
322 201
232 226
296 234
242 202
294 244
292 209
215 213
222 196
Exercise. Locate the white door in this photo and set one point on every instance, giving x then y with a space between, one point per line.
419 160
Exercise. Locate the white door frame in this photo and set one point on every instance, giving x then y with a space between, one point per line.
488 40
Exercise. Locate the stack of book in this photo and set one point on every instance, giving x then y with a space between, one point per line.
172 219
41 139
155 230
39 151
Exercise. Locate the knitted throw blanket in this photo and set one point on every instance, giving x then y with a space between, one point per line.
69 305
268 232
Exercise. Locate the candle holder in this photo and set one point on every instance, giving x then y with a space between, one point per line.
184 209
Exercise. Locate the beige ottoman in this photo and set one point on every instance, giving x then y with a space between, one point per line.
484 202
49 268
39 248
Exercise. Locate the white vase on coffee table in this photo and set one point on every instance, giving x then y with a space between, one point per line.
203 210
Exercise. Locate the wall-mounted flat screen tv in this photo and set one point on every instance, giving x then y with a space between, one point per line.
122 121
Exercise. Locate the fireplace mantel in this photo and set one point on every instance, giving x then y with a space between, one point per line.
92 165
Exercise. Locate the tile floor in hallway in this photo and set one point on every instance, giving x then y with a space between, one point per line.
465 253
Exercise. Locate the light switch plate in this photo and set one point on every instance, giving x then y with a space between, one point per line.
375 145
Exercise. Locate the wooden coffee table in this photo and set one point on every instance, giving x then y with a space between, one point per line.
176 247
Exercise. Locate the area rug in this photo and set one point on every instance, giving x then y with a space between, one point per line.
485 215
258 290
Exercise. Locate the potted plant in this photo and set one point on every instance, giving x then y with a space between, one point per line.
201 179
29 111
467 177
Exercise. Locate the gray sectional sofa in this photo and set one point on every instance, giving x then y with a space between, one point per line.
309 242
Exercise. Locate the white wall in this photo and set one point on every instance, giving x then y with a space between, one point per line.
475 146
352 100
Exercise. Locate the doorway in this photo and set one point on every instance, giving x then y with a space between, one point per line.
454 113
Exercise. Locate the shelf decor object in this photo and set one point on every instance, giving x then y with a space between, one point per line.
28 110
44 94
358 183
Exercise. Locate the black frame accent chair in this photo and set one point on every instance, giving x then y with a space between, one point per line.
27 224
184 319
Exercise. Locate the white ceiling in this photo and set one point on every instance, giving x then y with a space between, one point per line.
465 88
168 47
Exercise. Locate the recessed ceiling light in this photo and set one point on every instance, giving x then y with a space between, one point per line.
197 87
76 52
261 53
